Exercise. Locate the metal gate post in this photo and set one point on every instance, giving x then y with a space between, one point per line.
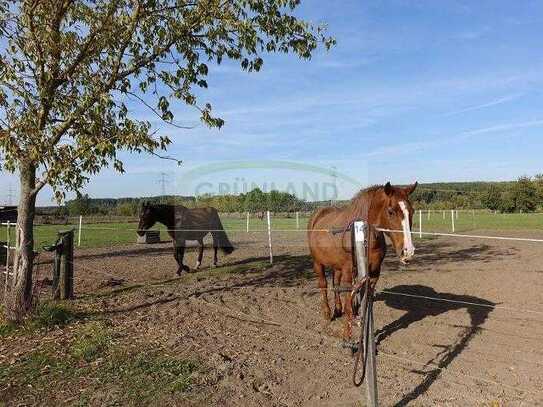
361 233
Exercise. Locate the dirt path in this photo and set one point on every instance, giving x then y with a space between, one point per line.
259 331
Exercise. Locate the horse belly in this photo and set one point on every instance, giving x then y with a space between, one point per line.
328 250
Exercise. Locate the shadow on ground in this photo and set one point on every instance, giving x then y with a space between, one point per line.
441 252
416 309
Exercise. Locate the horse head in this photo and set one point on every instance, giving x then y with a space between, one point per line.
396 216
147 218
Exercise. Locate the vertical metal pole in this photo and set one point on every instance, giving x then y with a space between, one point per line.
270 237
360 238
79 232
247 222
420 223
452 219
297 220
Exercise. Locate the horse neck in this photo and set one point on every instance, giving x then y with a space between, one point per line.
366 206
165 214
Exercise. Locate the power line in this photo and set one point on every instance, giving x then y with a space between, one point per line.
10 195
163 181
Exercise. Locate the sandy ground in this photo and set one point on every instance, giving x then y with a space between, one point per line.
259 331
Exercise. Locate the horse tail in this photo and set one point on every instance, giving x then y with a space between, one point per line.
220 238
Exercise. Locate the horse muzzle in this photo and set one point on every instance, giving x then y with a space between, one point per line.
406 256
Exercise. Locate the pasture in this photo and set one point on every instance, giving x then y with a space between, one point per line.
95 235
462 322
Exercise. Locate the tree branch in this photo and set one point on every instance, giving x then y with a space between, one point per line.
158 114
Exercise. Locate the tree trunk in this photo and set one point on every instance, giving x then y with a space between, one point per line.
19 301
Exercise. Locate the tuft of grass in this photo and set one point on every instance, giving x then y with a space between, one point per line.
92 342
147 374
51 314
118 375
7 328
46 315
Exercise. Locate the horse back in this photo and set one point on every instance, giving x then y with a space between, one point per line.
195 223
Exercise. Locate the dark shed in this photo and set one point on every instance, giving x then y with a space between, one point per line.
8 214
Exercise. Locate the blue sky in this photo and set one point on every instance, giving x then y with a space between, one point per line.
414 90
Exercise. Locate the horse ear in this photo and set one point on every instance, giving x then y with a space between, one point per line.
389 190
411 188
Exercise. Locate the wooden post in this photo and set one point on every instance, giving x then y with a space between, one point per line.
16 258
443 214
297 220
270 237
429 212
79 232
420 223
247 222
63 271
55 286
360 231
452 219
7 258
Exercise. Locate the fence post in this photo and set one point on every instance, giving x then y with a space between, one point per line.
360 231
7 258
63 271
420 223
297 220
429 212
452 219
443 214
247 222
15 267
270 237
79 232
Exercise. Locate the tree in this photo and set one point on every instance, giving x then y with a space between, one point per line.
525 195
79 206
68 67
538 179
492 198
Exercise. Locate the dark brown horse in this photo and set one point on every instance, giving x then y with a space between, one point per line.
383 207
186 224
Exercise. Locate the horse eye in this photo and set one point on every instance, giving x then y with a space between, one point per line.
390 211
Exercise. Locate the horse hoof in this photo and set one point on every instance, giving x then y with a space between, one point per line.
179 271
186 268
214 265
337 314
197 266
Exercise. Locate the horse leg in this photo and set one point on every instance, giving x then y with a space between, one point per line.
347 281
180 255
325 308
200 253
336 284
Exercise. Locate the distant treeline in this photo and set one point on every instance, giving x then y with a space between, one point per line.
523 195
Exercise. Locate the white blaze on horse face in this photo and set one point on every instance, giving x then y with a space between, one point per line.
409 249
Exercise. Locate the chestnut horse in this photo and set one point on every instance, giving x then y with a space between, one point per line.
186 224
383 207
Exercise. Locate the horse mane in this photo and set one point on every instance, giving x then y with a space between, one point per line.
360 203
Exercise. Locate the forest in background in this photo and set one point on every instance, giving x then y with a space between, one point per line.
522 195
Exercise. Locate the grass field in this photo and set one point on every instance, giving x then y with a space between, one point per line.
109 234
